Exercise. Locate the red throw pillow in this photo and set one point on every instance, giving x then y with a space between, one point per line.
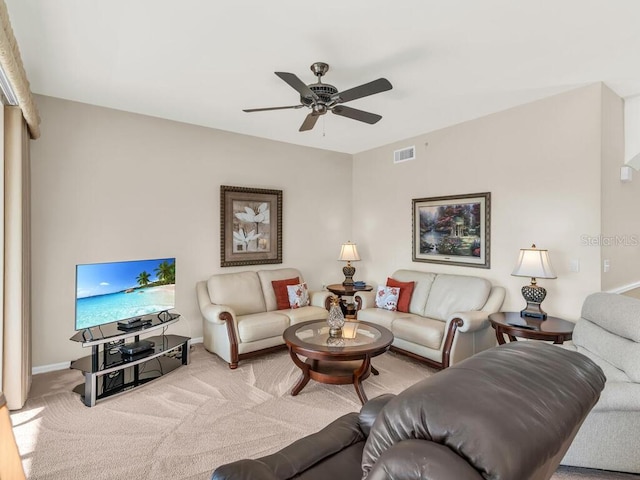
406 289
280 289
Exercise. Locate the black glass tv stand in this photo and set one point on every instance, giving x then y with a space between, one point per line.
109 371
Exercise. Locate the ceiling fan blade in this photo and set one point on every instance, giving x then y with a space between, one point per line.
309 122
297 84
356 114
270 108
377 86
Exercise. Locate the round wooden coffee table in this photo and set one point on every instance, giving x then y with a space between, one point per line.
336 360
513 325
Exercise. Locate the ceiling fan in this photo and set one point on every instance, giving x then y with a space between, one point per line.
322 97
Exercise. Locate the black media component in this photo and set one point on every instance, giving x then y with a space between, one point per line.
136 347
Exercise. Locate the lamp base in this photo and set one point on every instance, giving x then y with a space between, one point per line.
348 271
533 295
533 310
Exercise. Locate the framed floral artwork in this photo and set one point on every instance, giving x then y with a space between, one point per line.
453 230
250 226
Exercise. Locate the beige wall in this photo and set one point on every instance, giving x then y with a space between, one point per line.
541 163
110 186
620 237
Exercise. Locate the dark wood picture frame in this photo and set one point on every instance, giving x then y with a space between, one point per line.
250 226
453 230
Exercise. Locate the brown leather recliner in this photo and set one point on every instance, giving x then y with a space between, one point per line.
509 413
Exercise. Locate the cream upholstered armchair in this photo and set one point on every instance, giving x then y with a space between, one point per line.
608 332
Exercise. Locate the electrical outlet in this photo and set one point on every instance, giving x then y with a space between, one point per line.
606 266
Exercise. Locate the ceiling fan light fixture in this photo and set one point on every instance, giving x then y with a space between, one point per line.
322 97
319 109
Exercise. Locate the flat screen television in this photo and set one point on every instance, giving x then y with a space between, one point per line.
123 291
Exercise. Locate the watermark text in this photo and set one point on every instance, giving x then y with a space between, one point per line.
609 240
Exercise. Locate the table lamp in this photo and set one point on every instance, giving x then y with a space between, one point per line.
348 253
535 263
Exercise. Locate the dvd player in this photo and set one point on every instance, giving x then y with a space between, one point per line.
136 347
134 324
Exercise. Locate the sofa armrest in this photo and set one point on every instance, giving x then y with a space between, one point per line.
470 321
365 300
370 410
495 300
479 319
319 299
244 470
298 456
619 397
211 311
312 449
421 460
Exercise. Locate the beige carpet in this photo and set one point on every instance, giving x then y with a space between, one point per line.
184 424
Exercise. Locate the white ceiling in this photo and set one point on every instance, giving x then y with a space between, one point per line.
203 61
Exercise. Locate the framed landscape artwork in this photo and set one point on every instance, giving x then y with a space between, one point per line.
452 230
250 226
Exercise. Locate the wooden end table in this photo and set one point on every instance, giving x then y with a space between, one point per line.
336 360
347 291
513 325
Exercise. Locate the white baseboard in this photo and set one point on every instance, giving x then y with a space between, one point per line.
50 368
65 365
625 288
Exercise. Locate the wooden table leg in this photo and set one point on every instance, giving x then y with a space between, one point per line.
304 378
357 378
374 371
500 336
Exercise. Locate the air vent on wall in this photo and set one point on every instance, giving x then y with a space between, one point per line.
404 154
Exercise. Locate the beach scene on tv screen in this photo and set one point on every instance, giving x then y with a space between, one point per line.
108 292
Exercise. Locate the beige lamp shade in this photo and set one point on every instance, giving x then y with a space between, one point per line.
349 253
535 263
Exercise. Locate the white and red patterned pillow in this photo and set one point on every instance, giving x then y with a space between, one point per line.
298 295
387 297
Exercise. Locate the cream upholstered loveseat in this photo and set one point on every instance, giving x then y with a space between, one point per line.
447 319
608 332
241 316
